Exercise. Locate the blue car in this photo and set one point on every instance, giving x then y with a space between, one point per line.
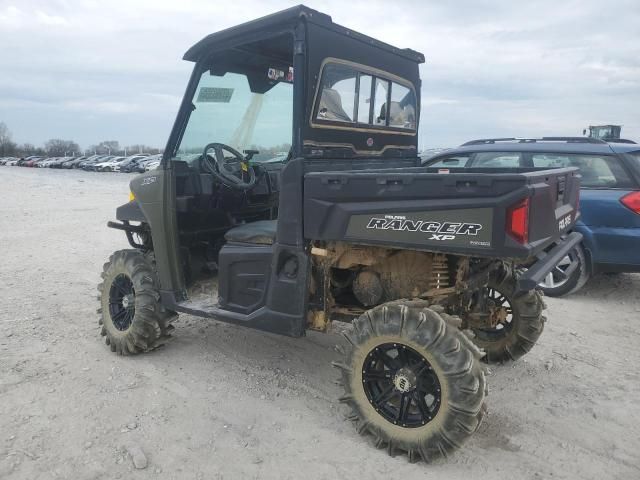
609 197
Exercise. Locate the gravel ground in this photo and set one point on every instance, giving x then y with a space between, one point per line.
225 402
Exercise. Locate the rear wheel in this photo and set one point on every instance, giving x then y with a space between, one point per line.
515 321
413 381
131 317
558 282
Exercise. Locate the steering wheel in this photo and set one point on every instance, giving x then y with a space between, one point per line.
233 172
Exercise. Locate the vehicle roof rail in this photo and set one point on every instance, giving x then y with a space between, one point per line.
572 139
483 141
618 140
490 141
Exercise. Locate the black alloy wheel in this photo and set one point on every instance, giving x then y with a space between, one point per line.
502 309
515 320
401 385
122 306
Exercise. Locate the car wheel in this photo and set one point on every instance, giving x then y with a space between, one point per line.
558 283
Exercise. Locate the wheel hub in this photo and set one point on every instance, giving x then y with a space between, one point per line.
405 380
127 301
499 320
497 315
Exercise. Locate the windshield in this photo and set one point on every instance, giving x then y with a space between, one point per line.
227 111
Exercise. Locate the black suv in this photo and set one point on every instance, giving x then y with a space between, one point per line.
610 197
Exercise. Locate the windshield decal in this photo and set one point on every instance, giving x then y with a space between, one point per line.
214 95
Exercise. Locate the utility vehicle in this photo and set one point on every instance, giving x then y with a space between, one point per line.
348 226
607 133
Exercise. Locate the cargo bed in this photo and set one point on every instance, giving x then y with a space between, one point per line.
465 211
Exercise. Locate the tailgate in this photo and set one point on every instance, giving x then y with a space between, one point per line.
554 204
462 212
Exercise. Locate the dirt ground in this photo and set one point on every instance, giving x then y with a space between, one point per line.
225 402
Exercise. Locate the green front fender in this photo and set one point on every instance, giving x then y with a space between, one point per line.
154 193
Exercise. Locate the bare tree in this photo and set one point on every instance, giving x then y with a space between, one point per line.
7 147
112 147
58 148
140 148
28 149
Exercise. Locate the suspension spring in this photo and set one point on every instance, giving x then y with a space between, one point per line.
439 272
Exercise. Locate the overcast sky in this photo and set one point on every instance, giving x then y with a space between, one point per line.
92 70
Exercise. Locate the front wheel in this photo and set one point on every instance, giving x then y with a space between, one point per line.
132 319
413 381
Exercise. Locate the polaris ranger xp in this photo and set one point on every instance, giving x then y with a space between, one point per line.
291 180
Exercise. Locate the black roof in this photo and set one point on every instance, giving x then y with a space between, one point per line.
287 19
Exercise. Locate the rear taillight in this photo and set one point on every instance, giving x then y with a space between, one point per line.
632 201
518 221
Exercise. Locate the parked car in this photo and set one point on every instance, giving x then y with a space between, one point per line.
138 166
35 162
40 162
59 162
609 200
29 161
73 161
152 165
130 167
130 160
46 162
7 160
118 165
88 160
91 165
106 165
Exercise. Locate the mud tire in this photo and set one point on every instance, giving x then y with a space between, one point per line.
150 326
524 329
454 359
